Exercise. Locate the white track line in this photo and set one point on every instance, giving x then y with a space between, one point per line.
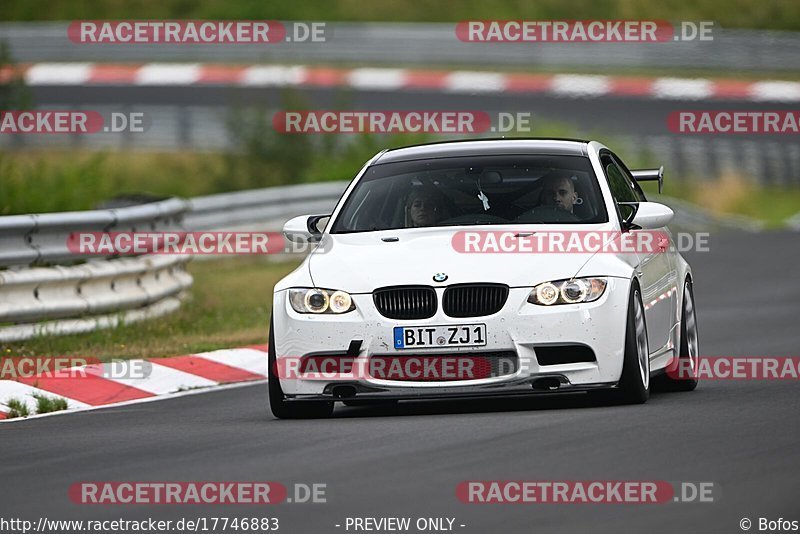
277 75
682 88
579 85
464 81
390 79
10 389
59 74
211 389
168 74
252 360
383 79
159 379
776 91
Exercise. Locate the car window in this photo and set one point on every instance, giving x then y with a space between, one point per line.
629 177
479 190
621 188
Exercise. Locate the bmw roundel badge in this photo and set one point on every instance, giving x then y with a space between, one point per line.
439 277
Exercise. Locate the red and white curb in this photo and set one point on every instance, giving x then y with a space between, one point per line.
97 386
389 79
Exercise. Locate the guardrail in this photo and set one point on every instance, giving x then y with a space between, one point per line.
272 204
103 292
42 238
90 296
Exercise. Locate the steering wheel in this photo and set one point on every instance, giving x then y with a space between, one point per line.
547 214
475 218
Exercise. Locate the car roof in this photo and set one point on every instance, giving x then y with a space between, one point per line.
485 147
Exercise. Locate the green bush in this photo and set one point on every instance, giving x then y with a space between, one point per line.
16 409
46 404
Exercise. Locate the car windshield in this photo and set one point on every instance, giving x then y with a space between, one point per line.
476 190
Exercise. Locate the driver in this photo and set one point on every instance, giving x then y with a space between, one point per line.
423 207
559 191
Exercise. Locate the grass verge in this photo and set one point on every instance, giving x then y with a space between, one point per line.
229 307
37 181
45 404
16 408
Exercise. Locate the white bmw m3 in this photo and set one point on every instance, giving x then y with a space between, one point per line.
480 268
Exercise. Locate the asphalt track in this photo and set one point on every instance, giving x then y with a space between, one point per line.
741 435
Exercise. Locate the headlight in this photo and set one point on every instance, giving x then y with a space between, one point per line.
315 300
571 291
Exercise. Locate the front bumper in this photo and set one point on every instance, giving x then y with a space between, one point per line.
520 327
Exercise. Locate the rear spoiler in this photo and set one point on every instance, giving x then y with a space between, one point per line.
649 175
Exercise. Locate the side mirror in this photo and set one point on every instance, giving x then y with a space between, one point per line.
304 229
651 215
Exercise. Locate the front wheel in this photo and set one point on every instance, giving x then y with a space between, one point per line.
282 408
683 377
634 383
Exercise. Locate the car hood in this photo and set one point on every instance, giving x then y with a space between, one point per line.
362 262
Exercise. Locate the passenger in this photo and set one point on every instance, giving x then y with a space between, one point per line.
423 207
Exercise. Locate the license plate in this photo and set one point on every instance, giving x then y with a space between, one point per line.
432 337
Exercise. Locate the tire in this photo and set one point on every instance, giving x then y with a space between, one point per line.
281 408
688 354
634 383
